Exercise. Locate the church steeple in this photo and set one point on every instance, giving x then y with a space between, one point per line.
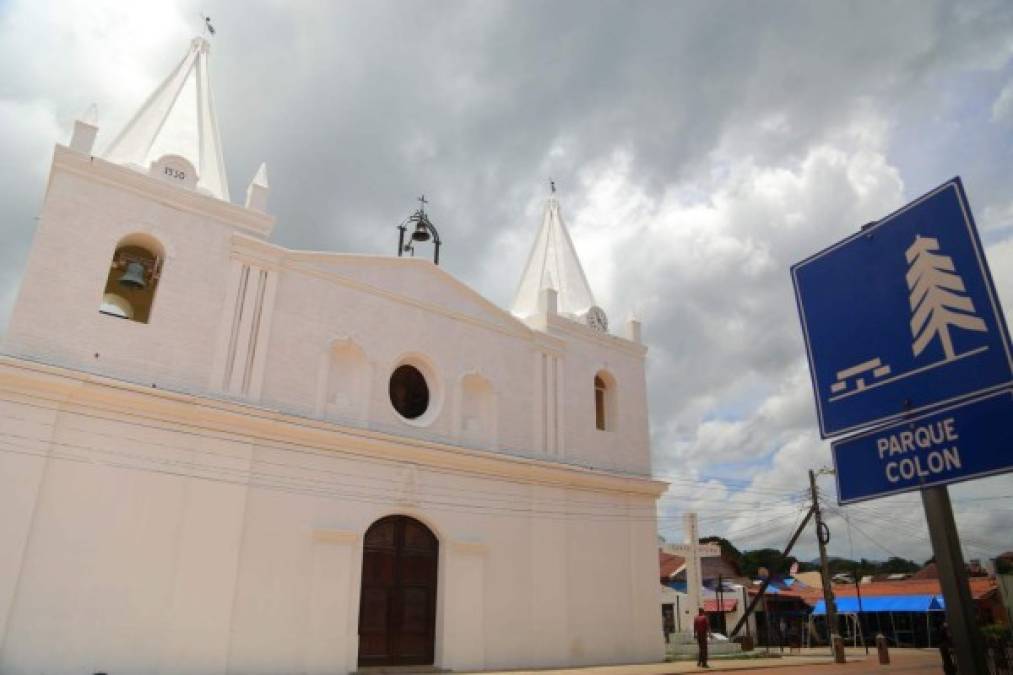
192 133
553 264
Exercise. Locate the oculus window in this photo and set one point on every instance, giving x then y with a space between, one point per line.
409 392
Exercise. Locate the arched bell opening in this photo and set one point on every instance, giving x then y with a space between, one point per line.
133 278
397 602
605 413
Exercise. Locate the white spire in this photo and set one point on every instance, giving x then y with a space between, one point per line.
553 263
261 177
197 138
256 191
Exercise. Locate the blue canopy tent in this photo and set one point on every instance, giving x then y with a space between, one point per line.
885 603
905 605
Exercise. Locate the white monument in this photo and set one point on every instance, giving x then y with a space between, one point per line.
692 551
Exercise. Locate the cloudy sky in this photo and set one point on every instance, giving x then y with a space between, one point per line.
700 149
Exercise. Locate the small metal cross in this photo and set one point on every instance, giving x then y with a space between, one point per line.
552 186
208 28
422 200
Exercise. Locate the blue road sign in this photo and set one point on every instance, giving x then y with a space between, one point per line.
902 316
966 441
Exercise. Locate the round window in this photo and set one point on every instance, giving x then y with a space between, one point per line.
409 393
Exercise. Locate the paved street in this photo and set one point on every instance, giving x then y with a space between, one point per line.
907 661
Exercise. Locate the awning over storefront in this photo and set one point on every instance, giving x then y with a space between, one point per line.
885 603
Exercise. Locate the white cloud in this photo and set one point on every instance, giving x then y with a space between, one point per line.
1002 108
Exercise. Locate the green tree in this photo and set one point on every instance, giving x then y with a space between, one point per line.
728 550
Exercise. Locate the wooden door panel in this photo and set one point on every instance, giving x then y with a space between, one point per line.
397 611
378 568
417 570
373 617
414 610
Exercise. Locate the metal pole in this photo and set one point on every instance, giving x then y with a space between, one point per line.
721 607
858 591
766 620
746 616
678 615
828 591
968 646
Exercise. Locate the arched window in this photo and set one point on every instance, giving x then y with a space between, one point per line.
600 393
604 401
477 418
347 386
133 278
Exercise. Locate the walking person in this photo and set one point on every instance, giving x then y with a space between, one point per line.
946 649
701 630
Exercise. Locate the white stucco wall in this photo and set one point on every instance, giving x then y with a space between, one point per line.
147 533
238 317
189 495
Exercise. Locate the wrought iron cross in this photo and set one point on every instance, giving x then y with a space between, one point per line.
422 200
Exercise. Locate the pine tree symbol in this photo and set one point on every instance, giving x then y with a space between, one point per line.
935 305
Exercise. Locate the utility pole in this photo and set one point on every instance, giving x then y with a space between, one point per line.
721 605
828 591
762 590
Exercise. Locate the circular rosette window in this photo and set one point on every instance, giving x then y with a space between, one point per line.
409 392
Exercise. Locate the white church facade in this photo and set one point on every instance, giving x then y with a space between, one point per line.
218 455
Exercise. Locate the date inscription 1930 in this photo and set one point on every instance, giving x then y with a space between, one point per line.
174 173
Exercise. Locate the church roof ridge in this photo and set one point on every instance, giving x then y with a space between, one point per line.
553 263
145 133
309 255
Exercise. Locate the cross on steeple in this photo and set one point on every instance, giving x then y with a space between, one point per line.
423 201
552 186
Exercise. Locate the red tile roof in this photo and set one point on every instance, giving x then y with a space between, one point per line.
979 585
711 605
930 571
670 563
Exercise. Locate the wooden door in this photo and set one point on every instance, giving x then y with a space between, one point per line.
397 611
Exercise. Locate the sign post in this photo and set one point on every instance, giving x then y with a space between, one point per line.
909 351
960 615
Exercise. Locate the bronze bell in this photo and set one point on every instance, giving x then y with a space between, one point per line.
421 233
133 277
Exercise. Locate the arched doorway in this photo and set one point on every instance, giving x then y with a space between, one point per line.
397 610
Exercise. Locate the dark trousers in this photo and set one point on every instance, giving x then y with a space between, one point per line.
701 643
946 654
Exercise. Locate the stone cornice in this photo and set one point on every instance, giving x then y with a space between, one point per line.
260 252
75 391
588 334
149 187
